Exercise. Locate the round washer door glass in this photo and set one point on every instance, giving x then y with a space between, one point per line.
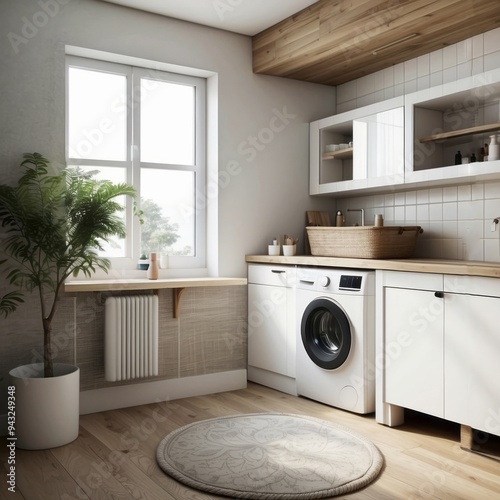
326 333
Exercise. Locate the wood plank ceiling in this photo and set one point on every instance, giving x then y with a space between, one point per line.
336 41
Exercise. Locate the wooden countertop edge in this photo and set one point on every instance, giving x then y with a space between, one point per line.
145 284
436 266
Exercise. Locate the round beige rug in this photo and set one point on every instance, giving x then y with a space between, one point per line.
269 456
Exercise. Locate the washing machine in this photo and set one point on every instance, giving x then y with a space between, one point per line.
336 337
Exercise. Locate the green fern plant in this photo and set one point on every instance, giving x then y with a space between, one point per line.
55 226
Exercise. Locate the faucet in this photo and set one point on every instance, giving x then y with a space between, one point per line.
358 210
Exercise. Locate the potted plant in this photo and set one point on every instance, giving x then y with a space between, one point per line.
55 225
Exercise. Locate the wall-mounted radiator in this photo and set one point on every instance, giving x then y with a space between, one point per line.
131 337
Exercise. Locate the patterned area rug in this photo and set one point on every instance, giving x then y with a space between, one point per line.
269 456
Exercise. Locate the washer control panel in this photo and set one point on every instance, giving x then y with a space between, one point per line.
348 282
334 280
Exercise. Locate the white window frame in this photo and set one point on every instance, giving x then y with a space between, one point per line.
132 162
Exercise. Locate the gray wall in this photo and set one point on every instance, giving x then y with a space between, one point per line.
267 196
269 192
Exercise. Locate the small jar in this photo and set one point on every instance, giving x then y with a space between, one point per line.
339 219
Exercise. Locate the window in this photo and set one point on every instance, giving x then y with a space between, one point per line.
146 128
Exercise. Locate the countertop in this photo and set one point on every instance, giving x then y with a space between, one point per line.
437 266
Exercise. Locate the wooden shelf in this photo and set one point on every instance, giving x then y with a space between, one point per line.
177 285
145 284
480 129
341 154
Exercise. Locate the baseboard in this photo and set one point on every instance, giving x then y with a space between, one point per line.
274 380
123 396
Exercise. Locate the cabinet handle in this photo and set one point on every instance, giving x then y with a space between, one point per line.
278 271
439 295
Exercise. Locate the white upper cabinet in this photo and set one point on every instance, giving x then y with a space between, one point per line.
450 118
358 150
410 140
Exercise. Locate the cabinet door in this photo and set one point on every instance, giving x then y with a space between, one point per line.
379 146
472 361
267 328
377 135
413 348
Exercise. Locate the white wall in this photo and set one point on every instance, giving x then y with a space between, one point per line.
456 219
262 121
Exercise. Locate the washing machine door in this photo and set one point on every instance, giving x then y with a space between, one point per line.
326 333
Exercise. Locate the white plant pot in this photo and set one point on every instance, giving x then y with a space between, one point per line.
47 409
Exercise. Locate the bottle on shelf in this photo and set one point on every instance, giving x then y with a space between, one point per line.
458 158
473 158
493 148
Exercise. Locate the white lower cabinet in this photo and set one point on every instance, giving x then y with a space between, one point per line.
271 326
414 350
472 361
440 344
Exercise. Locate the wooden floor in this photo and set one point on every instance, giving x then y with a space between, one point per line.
114 456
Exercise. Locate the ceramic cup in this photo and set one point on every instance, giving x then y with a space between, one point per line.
273 249
164 261
289 249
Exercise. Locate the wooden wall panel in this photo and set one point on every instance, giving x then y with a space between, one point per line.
333 41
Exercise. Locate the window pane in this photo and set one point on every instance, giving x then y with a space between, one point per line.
167 200
167 122
115 247
97 126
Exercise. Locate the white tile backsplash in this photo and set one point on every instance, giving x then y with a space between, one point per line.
436 195
491 40
464 51
450 193
410 69
478 45
450 56
450 211
423 65
464 193
457 220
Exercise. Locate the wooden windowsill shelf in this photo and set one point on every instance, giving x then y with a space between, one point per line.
177 286
145 284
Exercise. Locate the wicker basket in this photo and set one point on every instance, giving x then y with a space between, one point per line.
364 242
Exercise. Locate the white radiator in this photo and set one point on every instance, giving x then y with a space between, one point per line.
131 337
